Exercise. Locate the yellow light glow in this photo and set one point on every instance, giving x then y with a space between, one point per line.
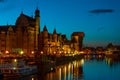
15 60
81 52
6 52
32 52
82 61
59 73
65 73
69 52
41 52
54 52
32 78
51 69
60 52
21 52
65 52
14 68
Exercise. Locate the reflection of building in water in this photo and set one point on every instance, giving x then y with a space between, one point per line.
112 61
78 70
71 71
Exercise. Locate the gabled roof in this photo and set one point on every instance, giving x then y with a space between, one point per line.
29 20
28 17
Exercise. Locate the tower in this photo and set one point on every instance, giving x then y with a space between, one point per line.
45 39
77 40
37 27
54 35
37 20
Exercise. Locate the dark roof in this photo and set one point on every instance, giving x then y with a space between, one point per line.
30 20
5 28
28 17
78 34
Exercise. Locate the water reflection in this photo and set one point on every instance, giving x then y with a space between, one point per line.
71 71
112 61
84 69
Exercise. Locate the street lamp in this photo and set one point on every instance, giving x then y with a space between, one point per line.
21 53
32 52
6 52
41 52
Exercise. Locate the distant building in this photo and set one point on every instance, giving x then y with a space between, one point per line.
77 40
25 36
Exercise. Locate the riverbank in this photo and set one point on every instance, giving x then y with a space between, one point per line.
49 62
66 59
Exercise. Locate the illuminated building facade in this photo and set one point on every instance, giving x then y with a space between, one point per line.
25 36
77 40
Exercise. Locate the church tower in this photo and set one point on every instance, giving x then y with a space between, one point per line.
37 20
37 27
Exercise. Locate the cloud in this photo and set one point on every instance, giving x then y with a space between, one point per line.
99 11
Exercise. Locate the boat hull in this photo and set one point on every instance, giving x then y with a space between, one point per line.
20 72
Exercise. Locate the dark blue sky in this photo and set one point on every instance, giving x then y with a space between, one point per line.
68 16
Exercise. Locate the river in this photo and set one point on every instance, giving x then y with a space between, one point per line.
83 69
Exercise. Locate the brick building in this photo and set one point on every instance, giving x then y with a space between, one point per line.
25 36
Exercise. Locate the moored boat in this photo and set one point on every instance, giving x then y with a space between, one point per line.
16 67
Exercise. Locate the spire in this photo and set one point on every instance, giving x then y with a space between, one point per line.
54 32
45 28
37 12
21 11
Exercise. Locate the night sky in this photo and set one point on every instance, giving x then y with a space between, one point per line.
98 19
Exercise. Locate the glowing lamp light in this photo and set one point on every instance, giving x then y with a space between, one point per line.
15 60
65 52
82 61
51 69
41 52
60 52
32 78
6 52
21 52
14 68
32 52
69 52
54 52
